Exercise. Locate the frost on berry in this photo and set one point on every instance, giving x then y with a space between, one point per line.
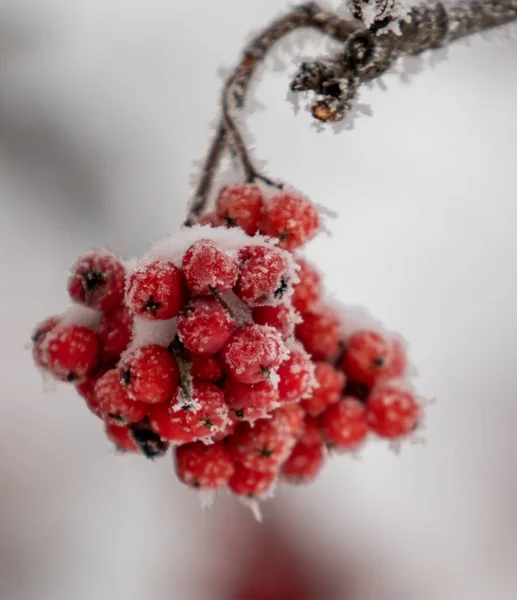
114 403
371 358
97 280
241 205
209 268
204 467
205 368
290 417
38 337
115 333
249 402
253 352
265 277
295 376
86 389
150 374
204 326
307 291
251 484
121 437
392 412
328 390
211 219
320 333
291 218
343 425
156 290
281 317
304 463
70 352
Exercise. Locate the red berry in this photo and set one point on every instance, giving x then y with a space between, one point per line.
264 278
86 389
205 326
343 425
211 219
115 333
281 317
169 425
371 358
98 280
227 430
209 268
204 467
329 388
205 368
291 218
241 205
392 412
252 352
292 418
253 484
249 402
71 352
121 437
304 463
157 291
296 376
320 333
150 374
306 293
114 403
311 432
264 446
38 337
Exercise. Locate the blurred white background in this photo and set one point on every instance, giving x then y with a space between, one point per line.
104 107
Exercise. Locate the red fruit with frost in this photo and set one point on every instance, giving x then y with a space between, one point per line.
171 426
241 205
205 368
86 389
252 352
306 293
311 432
204 467
392 412
115 333
328 390
372 358
281 317
38 337
343 425
249 483
98 280
150 374
291 417
223 433
291 218
114 403
157 291
304 463
249 402
320 333
296 376
264 277
121 437
211 219
209 268
205 326
71 352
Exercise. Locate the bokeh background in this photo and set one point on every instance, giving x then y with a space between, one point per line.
104 107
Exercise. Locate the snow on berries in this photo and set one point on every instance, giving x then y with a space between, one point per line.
219 345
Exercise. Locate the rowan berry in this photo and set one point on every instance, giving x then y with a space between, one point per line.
121 437
148 441
205 368
150 374
205 326
290 417
209 268
392 412
249 402
311 432
241 205
38 337
295 376
70 352
249 483
115 332
328 389
204 467
320 332
281 317
97 280
343 425
86 390
114 403
304 463
307 291
157 291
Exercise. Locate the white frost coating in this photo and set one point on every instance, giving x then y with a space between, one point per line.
148 331
254 506
206 498
77 314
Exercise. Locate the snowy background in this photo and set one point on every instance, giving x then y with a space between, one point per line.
104 107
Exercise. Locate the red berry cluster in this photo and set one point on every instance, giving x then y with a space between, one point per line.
218 343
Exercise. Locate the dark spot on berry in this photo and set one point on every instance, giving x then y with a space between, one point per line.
265 372
125 376
357 389
415 426
230 222
196 484
186 407
116 417
239 414
92 280
36 336
332 88
152 306
149 442
266 453
207 423
72 377
250 495
281 289
378 362
342 352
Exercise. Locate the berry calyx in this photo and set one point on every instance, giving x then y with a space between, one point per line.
209 268
150 374
114 403
264 278
253 352
156 291
205 326
97 280
343 425
392 412
328 389
204 467
241 205
249 483
70 352
320 333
